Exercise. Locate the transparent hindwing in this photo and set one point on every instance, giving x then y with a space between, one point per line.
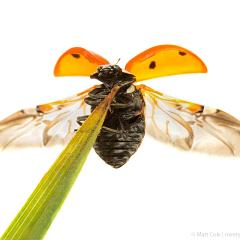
44 125
190 126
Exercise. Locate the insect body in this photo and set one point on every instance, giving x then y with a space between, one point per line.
124 127
134 110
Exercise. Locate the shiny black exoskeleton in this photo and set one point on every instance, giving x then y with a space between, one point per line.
124 126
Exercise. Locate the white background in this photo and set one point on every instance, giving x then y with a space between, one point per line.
160 193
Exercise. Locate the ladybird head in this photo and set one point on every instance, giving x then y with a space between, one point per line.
110 74
108 71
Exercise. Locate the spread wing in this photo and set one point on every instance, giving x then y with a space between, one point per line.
191 126
56 122
45 125
164 60
78 61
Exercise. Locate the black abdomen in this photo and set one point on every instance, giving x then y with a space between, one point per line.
124 126
116 148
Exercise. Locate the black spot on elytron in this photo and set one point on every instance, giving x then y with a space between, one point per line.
152 65
76 55
181 53
38 109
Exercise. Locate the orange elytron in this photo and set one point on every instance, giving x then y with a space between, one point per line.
135 109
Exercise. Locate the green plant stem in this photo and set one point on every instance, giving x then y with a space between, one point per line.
36 216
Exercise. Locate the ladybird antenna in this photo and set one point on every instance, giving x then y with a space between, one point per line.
118 61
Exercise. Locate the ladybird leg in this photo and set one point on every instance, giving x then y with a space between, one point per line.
121 123
122 132
111 130
92 102
128 116
95 99
80 120
97 96
121 105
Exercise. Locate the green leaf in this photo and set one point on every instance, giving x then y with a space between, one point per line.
36 216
